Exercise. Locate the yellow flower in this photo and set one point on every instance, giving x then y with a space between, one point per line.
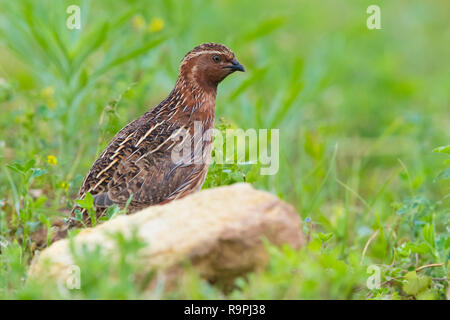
51 103
48 92
64 185
52 160
156 24
138 22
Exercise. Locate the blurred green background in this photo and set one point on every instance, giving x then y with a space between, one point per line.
359 111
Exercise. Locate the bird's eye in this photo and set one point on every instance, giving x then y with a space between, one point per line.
216 58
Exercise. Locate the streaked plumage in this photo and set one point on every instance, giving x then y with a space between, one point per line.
138 160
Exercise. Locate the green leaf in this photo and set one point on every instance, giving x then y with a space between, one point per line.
325 237
39 202
128 201
37 172
414 284
315 245
420 248
17 167
29 164
87 202
444 149
111 212
427 295
428 234
44 219
443 175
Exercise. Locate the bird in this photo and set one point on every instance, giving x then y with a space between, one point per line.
137 168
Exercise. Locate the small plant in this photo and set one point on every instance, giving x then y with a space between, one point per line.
26 206
444 174
87 203
221 174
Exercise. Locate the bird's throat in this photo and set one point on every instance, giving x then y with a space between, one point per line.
197 101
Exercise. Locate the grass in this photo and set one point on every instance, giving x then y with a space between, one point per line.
360 113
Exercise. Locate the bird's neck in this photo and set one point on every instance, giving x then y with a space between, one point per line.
195 100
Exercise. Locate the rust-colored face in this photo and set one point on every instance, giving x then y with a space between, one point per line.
210 63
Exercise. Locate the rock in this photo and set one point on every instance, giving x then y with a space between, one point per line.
219 230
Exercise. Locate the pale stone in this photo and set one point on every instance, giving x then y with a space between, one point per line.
219 229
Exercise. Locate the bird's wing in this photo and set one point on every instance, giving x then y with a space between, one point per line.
151 179
139 162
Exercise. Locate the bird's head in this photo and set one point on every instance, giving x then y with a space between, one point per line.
208 64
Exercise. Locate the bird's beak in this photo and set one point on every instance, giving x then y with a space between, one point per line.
235 66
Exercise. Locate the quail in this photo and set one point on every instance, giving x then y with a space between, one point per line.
138 166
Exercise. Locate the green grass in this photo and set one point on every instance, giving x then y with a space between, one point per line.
359 111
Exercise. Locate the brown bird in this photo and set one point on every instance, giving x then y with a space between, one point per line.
141 160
